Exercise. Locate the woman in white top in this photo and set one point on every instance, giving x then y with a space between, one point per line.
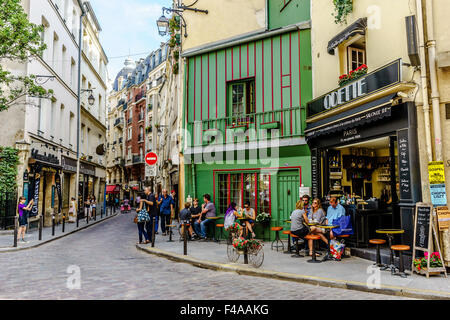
93 206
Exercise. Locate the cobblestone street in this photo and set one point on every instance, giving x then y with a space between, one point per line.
112 268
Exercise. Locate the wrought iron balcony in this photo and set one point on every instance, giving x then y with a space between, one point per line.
138 159
119 122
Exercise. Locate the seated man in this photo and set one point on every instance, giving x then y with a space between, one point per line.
334 211
208 210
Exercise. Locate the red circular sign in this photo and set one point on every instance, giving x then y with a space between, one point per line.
151 158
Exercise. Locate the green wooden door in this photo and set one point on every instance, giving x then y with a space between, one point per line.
288 187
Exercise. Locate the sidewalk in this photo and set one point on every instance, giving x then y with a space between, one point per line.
350 273
7 237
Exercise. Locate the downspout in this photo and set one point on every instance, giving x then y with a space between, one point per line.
435 98
423 78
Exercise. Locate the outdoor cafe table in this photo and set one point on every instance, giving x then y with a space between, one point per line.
245 237
214 229
328 229
390 235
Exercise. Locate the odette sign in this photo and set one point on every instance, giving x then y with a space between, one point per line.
151 158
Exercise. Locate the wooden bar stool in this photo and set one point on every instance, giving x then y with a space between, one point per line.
289 248
221 226
169 228
400 248
313 237
378 242
343 237
297 247
277 238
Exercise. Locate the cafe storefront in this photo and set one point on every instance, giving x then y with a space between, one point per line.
364 151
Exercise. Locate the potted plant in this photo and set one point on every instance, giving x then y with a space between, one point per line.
263 217
239 244
353 75
420 264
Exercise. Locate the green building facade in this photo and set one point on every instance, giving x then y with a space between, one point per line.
244 110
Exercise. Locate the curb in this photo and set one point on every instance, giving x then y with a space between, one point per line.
13 249
312 280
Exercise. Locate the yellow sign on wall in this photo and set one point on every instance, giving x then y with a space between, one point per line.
436 172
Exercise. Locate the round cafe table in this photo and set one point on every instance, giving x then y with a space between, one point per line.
390 235
328 229
214 228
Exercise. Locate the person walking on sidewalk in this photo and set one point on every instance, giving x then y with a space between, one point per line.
208 210
87 207
150 205
22 210
93 206
142 219
165 209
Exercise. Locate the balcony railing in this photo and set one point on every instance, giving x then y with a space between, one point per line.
119 122
287 121
138 97
138 159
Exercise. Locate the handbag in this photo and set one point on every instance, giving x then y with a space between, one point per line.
135 220
143 216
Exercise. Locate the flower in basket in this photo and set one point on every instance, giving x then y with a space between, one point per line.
263 217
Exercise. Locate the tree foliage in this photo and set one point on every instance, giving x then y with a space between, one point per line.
9 160
20 41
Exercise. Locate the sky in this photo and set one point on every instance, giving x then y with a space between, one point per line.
128 28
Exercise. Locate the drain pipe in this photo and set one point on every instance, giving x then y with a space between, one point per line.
435 98
423 79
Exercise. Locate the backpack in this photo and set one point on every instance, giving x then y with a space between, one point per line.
229 220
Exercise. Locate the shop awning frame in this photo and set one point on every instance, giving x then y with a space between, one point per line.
112 189
356 28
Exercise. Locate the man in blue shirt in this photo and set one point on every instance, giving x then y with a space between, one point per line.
165 208
334 211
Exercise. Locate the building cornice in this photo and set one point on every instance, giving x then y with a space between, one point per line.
92 118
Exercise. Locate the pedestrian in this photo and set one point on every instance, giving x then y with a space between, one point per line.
165 208
208 210
142 219
87 206
185 217
72 210
150 205
175 207
93 206
158 214
116 203
22 211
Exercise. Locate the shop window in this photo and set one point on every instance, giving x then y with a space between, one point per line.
241 101
242 187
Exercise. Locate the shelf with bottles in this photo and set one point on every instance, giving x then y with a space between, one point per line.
334 159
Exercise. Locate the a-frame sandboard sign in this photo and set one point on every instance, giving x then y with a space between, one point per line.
424 231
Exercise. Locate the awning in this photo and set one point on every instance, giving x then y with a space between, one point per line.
351 122
112 189
358 27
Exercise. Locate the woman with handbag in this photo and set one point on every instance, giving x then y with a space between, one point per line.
141 218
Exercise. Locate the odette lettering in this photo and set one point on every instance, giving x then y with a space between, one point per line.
345 94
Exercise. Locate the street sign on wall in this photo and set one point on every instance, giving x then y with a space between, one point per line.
150 171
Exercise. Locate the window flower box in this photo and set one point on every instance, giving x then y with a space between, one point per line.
353 75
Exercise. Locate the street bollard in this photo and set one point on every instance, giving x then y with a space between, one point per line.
53 224
78 220
101 213
153 233
185 238
15 231
41 223
63 223
95 214
87 217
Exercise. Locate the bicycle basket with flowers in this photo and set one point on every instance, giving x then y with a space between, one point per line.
240 243
235 227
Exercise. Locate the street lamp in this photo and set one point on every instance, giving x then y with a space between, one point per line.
163 22
163 25
91 98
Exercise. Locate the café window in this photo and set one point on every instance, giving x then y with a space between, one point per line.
242 187
241 101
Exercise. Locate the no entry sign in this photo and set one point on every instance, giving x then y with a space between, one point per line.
151 158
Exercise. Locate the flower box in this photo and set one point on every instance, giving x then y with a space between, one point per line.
353 75
424 271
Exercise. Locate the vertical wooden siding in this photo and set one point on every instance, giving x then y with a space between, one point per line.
281 66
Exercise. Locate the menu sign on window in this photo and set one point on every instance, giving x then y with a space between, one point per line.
314 174
403 165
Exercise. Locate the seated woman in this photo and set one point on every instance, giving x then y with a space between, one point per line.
299 221
317 215
250 214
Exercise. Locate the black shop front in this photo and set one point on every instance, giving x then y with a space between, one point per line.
364 152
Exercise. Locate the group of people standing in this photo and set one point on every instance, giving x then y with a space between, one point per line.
305 213
156 207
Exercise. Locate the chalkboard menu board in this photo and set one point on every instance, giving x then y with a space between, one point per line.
422 227
314 173
403 165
